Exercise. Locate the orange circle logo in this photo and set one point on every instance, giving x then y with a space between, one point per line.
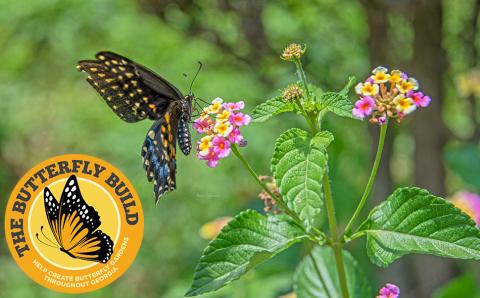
74 223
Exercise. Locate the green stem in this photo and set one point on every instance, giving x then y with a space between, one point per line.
336 245
371 180
318 236
303 77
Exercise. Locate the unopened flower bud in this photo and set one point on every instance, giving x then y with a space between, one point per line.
292 92
292 52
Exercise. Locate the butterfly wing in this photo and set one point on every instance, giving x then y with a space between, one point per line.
97 247
78 222
132 91
158 153
52 210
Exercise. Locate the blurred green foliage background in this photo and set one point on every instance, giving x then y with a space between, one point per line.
48 109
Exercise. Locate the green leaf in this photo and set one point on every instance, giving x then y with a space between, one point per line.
463 286
270 108
335 102
298 164
308 283
248 240
412 220
465 162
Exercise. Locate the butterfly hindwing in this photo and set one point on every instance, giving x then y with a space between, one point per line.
159 154
97 247
132 91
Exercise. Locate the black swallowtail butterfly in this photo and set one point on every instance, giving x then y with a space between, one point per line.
135 93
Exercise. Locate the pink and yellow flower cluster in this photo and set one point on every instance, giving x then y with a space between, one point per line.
388 94
469 203
221 122
389 291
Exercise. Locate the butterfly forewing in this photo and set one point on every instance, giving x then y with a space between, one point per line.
52 210
125 86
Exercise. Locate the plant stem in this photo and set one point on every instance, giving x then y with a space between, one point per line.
303 77
298 63
336 245
371 180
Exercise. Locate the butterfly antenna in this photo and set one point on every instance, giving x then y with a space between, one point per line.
200 65
185 77
202 100
41 230
38 238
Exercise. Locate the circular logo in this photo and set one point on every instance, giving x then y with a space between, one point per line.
74 223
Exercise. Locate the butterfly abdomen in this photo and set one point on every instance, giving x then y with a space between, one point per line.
184 137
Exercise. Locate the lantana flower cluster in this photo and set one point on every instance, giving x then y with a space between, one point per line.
469 203
221 122
388 95
389 291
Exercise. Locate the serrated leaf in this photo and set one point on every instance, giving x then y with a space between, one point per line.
308 283
270 108
298 164
412 220
336 103
246 241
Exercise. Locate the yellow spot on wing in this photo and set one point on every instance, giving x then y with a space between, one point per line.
153 107
151 134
